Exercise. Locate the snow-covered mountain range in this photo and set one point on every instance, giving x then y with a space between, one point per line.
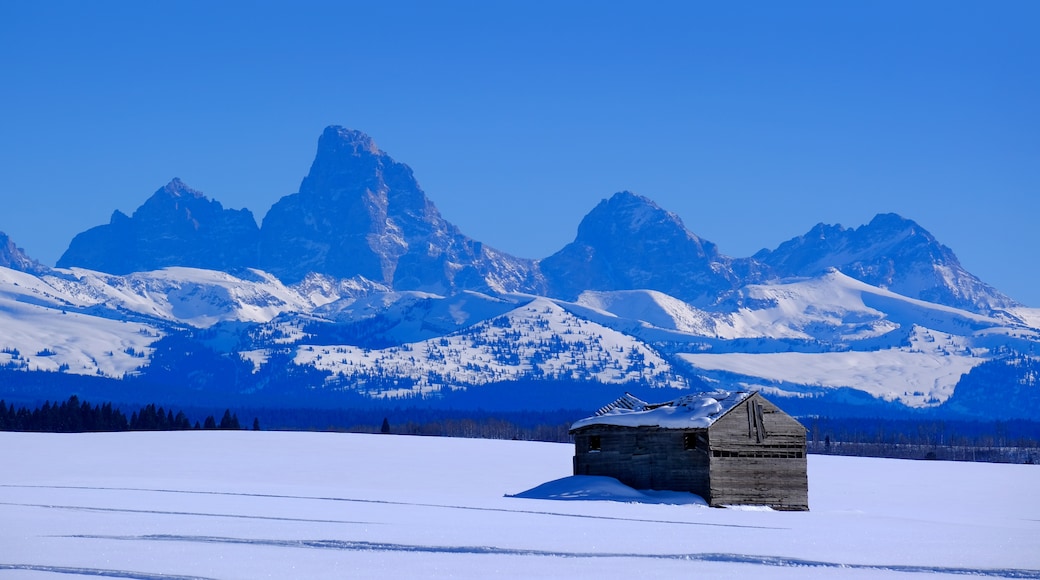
356 285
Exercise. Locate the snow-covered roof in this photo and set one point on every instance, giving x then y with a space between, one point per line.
694 411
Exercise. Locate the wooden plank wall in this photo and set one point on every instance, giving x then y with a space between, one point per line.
754 454
758 458
643 458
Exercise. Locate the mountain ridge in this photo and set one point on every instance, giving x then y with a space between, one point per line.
890 252
359 212
14 257
356 284
628 242
176 226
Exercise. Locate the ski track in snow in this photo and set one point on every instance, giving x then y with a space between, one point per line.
352 500
99 572
246 505
772 561
191 514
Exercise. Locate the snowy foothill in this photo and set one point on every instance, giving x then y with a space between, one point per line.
244 504
539 336
915 378
793 336
40 336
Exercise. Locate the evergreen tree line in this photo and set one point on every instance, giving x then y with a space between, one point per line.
480 428
946 452
1011 441
74 416
923 432
523 425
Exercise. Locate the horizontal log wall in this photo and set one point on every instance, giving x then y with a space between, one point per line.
643 458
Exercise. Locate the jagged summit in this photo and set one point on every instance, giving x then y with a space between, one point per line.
176 226
346 160
827 246
891 252
627 212
361 213
358 213
15 258
359 288
336 136
628 242
177 188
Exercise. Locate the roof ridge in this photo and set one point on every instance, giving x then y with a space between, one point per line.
627 401
693 410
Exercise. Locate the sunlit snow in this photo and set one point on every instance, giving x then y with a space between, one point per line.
827 331
916 378
540 337
248 505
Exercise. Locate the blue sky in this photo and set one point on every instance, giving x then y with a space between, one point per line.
752 121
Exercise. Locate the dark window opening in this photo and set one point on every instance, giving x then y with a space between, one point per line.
594 443
695 441
689 441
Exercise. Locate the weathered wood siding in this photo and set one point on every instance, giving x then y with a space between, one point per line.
645 457
757 457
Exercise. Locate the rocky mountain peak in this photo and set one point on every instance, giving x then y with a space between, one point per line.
629 215
176 226
628 242
891 252
177 188
361 213
349 162
177 202
336 138
15 258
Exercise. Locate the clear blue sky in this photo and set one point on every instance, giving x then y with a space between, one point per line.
752 121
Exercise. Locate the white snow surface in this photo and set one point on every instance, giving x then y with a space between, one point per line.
793 335
422 315
37 333
849 308
922 374
249 505
1031 316
652 308
85 322
537 335
832 307
192 296
693 411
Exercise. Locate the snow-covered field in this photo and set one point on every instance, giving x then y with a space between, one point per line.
219 504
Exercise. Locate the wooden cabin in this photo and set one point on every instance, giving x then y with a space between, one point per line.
731 448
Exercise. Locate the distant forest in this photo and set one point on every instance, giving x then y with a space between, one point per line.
73 416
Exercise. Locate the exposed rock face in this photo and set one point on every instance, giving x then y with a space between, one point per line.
627 242
360 213
15 258
891 252
177 226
